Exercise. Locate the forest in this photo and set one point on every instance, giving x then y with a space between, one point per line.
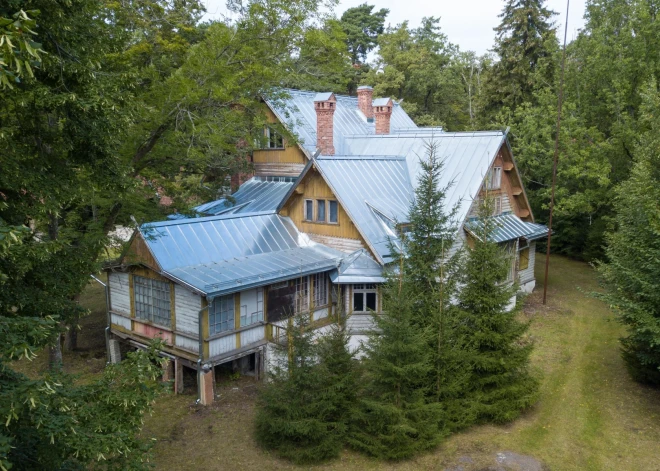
117 111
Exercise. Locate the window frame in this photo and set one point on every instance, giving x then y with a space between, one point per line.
494 179
252 318
363 289
320 207
146 289
308 217
521 251
301 296
320 296
229 322
273 138
329 212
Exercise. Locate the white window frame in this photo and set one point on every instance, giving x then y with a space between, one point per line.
302 294
249 318
494 179
320 289
219 319
363 289
273 138
152 300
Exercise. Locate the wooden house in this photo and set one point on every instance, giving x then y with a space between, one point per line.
309 232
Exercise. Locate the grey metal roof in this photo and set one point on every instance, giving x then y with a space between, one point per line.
467 156
365 87
381 101
298 113
509 227
255 195
358 267
376 193
325 96
228 253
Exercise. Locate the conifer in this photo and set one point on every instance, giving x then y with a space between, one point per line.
501 384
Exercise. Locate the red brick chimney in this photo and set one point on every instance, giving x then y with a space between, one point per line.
325 105
383 112
365 97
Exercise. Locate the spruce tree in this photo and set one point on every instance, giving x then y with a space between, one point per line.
632 269
394 420
501 384
304 406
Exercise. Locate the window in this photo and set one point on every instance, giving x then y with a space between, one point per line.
302 294
320 210
273 139
221 315
309 210
494 178
152 300
248 318
523 259
320 289
332 210
497 206
364 298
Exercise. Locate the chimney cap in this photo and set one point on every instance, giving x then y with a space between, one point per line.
365 87
325 96
383 102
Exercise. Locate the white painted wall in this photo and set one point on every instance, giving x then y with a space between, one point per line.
252 335
186 308
120 297
527 275
125 322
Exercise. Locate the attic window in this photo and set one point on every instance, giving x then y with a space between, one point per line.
494 179
332 212
273 139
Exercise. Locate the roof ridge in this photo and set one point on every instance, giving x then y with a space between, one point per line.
177 222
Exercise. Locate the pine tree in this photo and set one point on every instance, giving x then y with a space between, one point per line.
304 407
394 420
525 43
632 269
501 384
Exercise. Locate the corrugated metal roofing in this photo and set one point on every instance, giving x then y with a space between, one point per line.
358 267
375 191
467 157
509 227
299 114
255 195
226 253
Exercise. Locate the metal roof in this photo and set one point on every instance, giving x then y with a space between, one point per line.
381 101
325 96
358 267
467 156
228 253
509 227
255 195
376 193
298 113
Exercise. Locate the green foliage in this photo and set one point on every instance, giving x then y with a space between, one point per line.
630 272
19 54
501 385
54 423
362 27
304 407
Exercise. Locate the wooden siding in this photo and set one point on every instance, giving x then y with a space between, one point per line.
289 161
187 343
120 296
121 321
253 335
187 306
276 169
527 275
222 345
138 252
339 243
314 187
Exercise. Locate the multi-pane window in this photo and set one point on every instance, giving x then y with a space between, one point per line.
309 210
497 206
364 297
302 294
320 210
248 318
221 315
494 178
152 300
273 139
523 259
320 289
332 211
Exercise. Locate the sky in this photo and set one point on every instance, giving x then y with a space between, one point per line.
468 23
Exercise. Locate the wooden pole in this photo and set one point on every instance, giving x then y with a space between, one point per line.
556 157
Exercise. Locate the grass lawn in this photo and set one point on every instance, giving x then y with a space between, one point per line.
590 416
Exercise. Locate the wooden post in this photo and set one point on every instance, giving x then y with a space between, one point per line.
178 377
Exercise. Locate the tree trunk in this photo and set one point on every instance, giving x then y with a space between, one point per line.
71 337
55 354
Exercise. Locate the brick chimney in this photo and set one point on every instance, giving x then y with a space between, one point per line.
383 112
325 105
365 97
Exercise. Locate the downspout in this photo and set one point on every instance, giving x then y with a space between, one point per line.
201 353
107 316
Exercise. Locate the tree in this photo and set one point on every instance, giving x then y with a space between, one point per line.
362 27
631 269
501 385
394 419
19 54
525 43
304 407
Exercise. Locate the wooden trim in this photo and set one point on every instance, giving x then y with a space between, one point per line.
172 313
237 317
205 326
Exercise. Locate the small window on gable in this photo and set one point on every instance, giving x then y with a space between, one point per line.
332 210
494 178
273 139
320 210
309 210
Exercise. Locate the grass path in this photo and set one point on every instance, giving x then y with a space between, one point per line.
590 416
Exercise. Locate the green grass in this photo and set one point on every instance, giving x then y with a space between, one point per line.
590 415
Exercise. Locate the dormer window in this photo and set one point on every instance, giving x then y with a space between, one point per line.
321 211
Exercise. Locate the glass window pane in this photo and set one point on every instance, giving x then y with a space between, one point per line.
320 210
358 302
309 210
332 217
371 301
